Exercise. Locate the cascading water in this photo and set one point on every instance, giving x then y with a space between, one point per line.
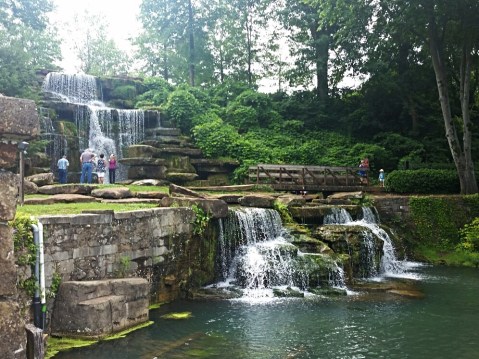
390 265
93 119
255 254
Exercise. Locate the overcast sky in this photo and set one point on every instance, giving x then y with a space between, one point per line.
120 14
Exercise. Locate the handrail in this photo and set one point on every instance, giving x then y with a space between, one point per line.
300 175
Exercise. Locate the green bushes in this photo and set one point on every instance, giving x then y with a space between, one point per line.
438 219
423 181
470 236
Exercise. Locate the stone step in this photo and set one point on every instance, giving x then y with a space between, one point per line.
165 131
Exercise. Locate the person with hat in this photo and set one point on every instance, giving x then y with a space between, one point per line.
381 177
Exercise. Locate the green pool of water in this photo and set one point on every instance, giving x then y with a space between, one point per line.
442 324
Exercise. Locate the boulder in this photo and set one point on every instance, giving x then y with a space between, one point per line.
61 198
183 191
345 196
150 194
149 182
257 200
41 179
292 200
180 177
67 189
112 192
29 187
214 207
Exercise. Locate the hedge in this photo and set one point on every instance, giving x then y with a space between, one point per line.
423 181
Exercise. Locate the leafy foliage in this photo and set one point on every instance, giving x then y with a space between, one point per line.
470 236
437 220
201 220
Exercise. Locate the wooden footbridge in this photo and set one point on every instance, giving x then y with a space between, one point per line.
310 178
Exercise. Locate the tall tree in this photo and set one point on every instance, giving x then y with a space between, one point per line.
447 32
27 43
98 54
172 43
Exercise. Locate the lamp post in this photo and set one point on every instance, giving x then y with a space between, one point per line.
22 148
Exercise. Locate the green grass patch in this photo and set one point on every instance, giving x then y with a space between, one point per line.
76 208
451 258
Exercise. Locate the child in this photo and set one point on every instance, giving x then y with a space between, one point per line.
381 177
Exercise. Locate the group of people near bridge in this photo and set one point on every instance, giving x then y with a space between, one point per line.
363 172
90 162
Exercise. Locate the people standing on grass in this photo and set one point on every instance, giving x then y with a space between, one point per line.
112 168
62 165
101 168
86 160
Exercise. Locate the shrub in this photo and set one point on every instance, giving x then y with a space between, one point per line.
470 236
423 181
437 220
182 107
126 92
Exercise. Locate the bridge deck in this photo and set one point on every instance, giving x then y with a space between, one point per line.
309 178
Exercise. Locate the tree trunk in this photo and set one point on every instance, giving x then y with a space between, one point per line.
191 45
462 158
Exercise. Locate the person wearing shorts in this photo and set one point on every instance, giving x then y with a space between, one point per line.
101 168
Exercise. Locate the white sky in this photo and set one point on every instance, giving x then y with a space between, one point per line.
120 14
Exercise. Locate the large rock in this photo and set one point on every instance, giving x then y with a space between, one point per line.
29 187
183 191
94 309
61 198
41 179
18 118
214 207
112 192
257 200
84 189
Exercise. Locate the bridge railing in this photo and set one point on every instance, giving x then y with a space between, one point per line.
307 176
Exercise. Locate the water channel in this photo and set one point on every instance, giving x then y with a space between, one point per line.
442 324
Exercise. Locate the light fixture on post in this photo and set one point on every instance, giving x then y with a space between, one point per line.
22 148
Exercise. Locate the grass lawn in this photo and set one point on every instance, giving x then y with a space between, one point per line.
75 208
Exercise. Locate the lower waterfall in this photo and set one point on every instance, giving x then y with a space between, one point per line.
258 257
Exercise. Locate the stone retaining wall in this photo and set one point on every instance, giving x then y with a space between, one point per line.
156 244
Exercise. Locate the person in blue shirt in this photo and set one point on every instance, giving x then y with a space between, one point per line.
62 165
381 177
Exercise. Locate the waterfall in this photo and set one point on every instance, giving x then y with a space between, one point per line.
73 88
255 255
390 265
337 216
95 121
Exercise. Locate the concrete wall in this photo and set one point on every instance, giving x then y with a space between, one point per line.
18 122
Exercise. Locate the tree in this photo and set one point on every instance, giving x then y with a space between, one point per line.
447 33
98 54
27 43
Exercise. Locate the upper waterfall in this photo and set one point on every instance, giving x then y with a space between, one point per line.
73 88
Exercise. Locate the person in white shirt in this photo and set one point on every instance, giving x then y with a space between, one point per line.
62 165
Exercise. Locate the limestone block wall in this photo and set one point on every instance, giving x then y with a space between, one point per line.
156 244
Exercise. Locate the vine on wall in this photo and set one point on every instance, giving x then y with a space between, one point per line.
25 250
